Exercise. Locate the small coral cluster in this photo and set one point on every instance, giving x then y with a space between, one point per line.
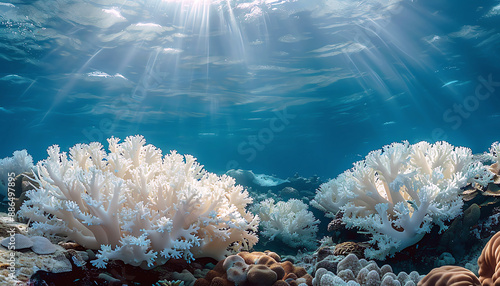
288 221
396 194
20 162
352 271
494 155
255 269
136 205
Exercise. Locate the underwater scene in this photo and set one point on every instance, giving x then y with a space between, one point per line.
250 142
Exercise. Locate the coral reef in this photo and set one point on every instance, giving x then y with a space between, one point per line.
138 206
134 204
396 194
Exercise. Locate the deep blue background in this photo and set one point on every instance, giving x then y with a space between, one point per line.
343 105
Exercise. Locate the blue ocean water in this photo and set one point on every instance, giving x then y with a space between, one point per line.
277 87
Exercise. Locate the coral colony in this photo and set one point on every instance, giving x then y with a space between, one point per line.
289 221
134 204
397 193
138 206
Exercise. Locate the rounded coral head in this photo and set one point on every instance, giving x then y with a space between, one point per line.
489 262
236 269
450 276
259 274
233 260
236 275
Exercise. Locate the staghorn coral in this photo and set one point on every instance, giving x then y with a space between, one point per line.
136 205
396 194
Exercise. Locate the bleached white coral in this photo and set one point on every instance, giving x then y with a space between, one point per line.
20 162
136 205
494 153
396 194
289 221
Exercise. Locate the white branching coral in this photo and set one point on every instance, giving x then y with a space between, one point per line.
288 221
136 205
396 194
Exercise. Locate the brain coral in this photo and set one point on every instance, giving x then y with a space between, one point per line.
348 247
489 262
450 276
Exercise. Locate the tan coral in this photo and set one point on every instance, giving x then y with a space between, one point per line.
265 269
450 276
348 247
259 274
489 262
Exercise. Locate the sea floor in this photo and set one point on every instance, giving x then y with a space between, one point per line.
69 264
